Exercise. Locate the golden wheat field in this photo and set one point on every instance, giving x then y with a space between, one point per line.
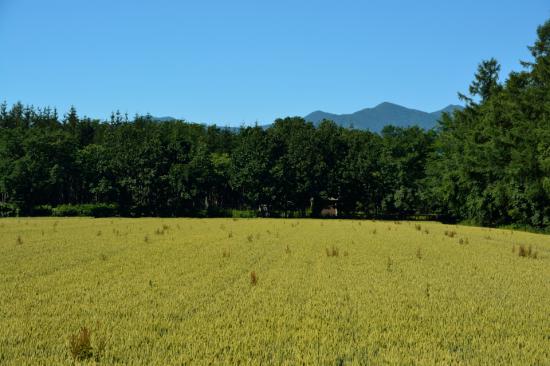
266 291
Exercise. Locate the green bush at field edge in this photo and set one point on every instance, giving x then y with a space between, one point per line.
93 210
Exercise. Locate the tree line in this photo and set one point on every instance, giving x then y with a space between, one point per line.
488 163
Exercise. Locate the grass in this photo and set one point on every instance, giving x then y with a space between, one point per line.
80 346
396 297
452 234
418 253
527 252
253 278
332 252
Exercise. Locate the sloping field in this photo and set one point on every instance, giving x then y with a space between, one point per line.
180 291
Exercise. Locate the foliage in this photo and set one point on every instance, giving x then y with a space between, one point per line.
8 210
491 160
94 210
42 210
487 164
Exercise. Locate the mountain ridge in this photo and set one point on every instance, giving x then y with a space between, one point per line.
383 114
374 119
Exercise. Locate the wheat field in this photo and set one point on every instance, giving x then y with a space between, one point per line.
270 291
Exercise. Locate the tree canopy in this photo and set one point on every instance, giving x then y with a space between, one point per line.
488 163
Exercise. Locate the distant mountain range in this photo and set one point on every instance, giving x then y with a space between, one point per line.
373 119
164 119
383 114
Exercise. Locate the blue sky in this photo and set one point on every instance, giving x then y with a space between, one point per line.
238 62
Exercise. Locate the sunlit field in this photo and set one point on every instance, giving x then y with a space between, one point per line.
261 291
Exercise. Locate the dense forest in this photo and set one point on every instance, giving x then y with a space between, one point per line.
488 164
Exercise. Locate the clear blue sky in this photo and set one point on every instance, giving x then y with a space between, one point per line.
234 62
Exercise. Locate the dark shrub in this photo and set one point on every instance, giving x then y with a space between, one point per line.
42 210
243 213
90 209
103 210
66 210
9 210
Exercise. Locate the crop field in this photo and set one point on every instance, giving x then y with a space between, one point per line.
263 291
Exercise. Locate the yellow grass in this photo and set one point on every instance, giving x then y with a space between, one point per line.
180 291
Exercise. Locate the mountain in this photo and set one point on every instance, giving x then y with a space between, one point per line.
373 119
164 119
383 114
